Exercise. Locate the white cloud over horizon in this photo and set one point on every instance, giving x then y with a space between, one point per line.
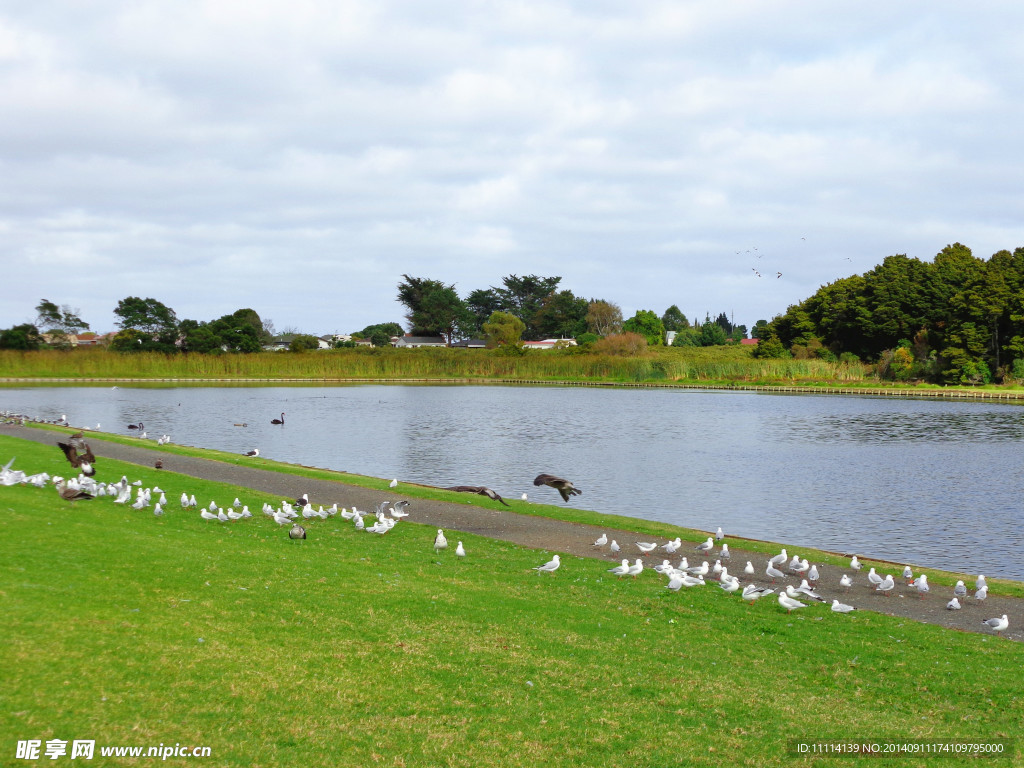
297 158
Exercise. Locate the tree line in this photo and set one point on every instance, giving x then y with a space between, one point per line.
958 319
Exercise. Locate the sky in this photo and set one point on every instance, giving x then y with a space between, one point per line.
299 157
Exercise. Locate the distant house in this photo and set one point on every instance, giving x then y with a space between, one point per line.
670 336
421 341
471 343
88 339
748 342
277 343
549 343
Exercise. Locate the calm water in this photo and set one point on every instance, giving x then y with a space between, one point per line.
925 482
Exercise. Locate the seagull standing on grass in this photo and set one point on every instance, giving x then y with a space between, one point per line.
440 542
789 603
460 551
838 607
773 573
621 570
550 566
636 568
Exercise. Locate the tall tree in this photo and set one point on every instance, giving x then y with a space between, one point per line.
505 330
524 296
562 315
648 325
674 319
435 309
603 317
146 315
483 302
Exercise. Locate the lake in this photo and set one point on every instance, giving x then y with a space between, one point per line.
926 482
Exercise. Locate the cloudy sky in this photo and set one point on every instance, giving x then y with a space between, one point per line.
298 157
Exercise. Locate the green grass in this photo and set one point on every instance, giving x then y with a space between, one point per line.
351 649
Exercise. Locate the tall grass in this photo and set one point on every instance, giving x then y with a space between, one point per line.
700 365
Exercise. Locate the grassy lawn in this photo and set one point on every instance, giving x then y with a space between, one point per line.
352 649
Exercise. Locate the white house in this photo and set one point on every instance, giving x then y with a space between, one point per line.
549 343
421 341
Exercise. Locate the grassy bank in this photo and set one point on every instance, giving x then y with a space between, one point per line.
354 649
694 364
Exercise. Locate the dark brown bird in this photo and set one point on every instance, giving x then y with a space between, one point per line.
71 494
79 454
296 532
135 426
479 489
560 484
278 421
158 464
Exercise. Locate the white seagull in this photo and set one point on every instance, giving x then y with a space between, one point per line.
845 582
620 570
460 551
752 592
780 558
614 546
838 607
705 547
981 594
749 570
921 584
789 603
855 563
980 582
645 547
440 542
550 566
636 568
874 578
953 605
960 590
997 625
718 534
601 540
887 585
773 573
393 483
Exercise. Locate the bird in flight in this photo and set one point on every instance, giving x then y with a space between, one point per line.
79 454
560 484
479 489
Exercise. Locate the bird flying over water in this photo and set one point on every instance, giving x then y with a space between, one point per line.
481 490
79 454
560 484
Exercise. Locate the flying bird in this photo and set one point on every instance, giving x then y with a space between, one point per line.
478 489
79 454
560 484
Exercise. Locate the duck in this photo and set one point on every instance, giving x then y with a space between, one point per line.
278 421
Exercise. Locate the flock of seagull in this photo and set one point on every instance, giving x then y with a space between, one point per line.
683 575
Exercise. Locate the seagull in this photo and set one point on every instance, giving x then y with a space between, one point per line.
79 454
752 592
801 568
601 540
296 532
303 500
845 582
440 542
997 625
838 607
887 585
953 605
730 585
749 570
550 566
874 578
806 589
706 546
908 575
812 575
982 593
207 515
960 590
855 563
621 570
780 558
675 581
478 489
397 509
725 554
789 603
773 573
980 582
563 486
524 497
393 483
699 570
672 546
718 534
614 547
645 548
253 452
460 551
636 568
921 584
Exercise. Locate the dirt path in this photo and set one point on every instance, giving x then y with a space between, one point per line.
569 538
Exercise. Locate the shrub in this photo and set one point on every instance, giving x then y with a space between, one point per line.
624 344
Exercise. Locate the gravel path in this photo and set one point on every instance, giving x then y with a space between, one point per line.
564 537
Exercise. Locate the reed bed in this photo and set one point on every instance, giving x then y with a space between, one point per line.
696 365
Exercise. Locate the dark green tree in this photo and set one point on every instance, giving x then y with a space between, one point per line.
25 337
482 303
712 334
505 331
146 315
379 337
562 315
524 296
304 342
674 319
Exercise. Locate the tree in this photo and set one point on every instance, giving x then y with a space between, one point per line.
674 319
648 325
769 347
241 331
24 337
687 337
482 303
562 315
388 329
505 331
199 338
712 334
150 318
304 342
59 322
760 330
435 309
603 317
524 296
379 337
724 322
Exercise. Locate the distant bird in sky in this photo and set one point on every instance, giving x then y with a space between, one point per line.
481 490
550 566
278 421
560 484
79 454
